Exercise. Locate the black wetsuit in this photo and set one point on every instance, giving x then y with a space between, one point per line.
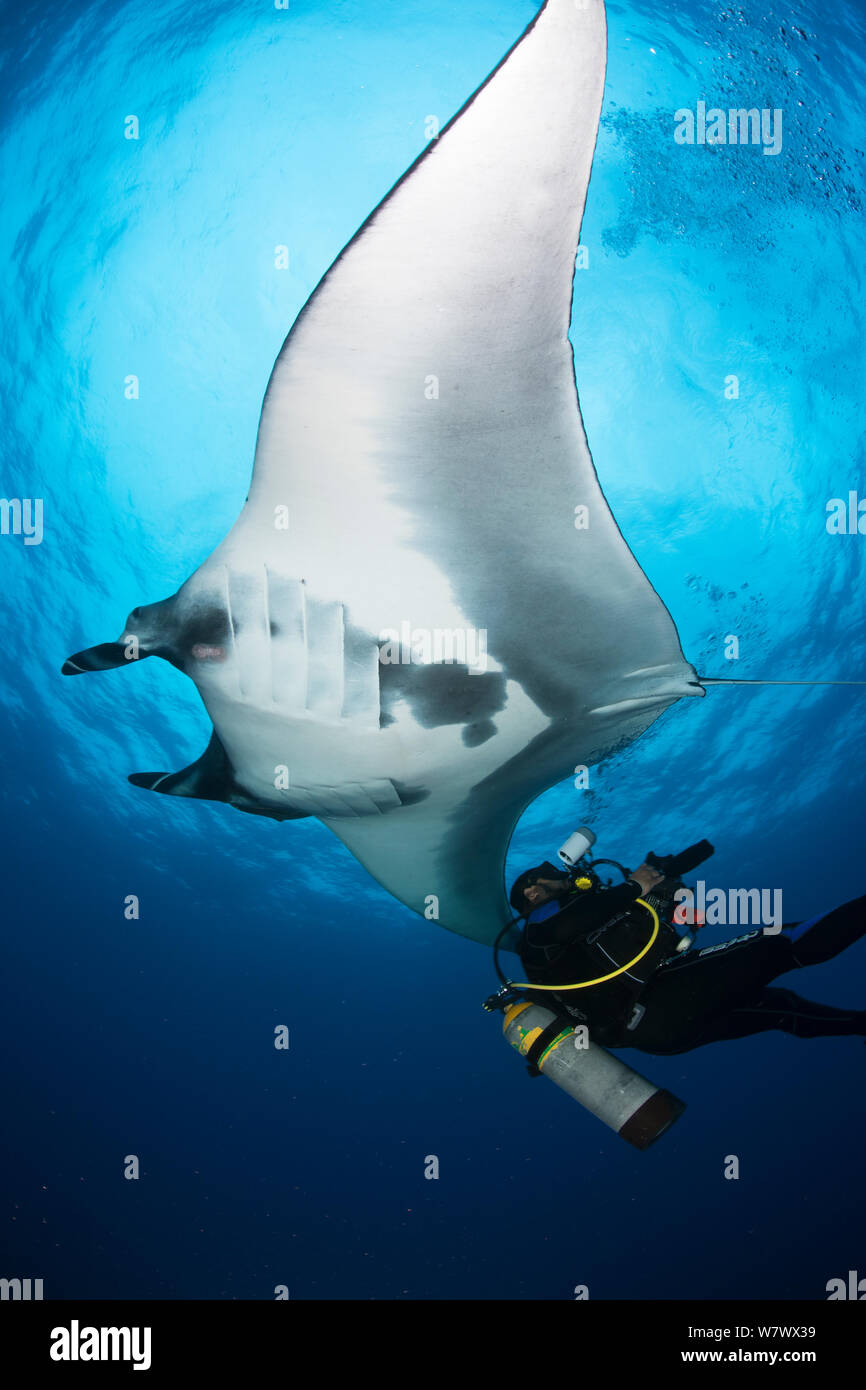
587 935
703 996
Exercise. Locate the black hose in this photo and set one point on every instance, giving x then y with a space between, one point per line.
507 927
615 862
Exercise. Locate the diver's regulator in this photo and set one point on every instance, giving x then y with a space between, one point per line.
554 1045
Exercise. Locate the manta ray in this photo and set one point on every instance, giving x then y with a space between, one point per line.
421 467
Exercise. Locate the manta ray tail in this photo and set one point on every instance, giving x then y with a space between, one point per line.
734 680
209 778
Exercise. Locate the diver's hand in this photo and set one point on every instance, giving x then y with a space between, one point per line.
646 877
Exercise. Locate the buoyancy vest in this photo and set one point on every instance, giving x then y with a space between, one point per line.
585 935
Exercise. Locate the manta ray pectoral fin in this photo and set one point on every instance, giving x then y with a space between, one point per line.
106 657
443 857
209 778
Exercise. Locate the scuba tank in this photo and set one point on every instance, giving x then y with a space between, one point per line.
611 1090
556 1047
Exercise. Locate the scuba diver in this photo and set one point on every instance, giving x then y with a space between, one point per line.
669 999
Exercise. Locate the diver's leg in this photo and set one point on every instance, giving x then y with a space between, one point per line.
804 1018
691 995
688 995
823 937
785 1011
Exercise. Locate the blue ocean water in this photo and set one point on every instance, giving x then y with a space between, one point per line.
154 1037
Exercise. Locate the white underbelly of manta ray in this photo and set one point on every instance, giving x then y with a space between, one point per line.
404 634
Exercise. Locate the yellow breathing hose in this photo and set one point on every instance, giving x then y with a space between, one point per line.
585 984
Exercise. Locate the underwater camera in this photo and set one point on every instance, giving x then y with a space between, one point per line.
550 1040
573 854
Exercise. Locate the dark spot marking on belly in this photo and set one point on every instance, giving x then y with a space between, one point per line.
478 733
444 693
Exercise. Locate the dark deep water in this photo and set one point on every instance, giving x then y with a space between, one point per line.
155 1037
